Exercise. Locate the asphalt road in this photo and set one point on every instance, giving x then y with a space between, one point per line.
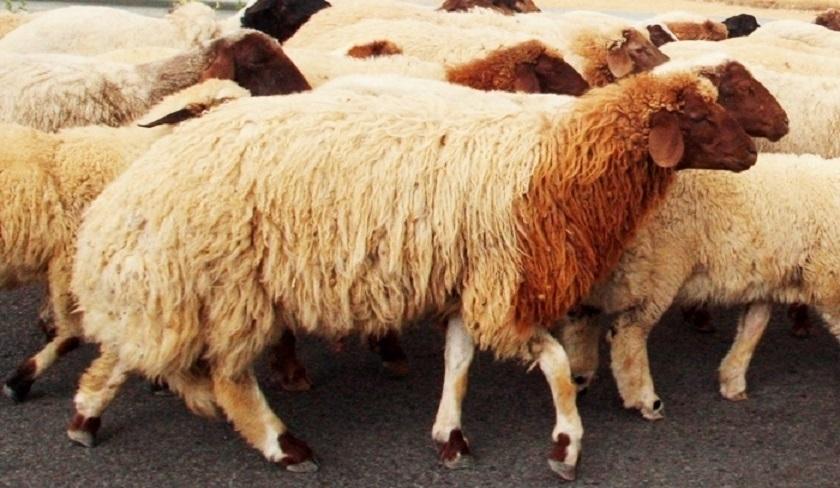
371 431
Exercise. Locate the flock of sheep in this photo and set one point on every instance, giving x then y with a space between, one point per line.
193 193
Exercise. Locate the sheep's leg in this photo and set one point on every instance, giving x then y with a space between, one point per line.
45 320
394 360
245 406
798 312
453 446
580 338
733 368
568 429
832 321
67 337
699 317
290 373
630 365
97 388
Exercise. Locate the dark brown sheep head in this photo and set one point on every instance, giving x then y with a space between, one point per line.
700 135
374 49
281 18
257 63
550 74
658 35
749 102
507 7
829 19
741 25
633 54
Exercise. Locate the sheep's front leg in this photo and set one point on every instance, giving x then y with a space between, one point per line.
568 429
245 406
453 447
630 364
733 368
290 373
394 360
580 338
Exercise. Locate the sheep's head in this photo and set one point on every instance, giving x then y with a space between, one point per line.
507 7
374 49
549 74
741 25
633 54
749 102
257 63
699 134
829 19
658 35
281 18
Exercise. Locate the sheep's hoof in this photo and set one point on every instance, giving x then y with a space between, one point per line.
308 466
83 430
17 393
396 369
733 394
656 412
567 472
455 453
582 381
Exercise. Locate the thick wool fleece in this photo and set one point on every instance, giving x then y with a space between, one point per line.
10 21
248 221
89 30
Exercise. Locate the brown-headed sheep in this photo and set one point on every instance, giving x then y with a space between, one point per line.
441 201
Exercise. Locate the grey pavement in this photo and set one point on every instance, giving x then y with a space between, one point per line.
369 431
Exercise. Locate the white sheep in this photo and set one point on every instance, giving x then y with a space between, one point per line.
341 211
762 236
804 32
89 30
48 180
53 91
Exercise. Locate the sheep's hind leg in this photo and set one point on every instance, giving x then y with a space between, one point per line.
97 388
630 364
245 406
733 368
568 429
394 360
832 321
453 447
289 373
19 383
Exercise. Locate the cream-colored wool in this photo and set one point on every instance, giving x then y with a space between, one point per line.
269 225
10 21
346 12
138 55
53 91
89 30
805 32
766 234
318 67
47 180
776 54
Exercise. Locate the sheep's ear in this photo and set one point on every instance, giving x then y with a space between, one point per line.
526 79
190 111
618 61
665 142
223 65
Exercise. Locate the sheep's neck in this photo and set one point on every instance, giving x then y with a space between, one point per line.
173 74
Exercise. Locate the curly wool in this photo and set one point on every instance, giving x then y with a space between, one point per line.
422 215
89 30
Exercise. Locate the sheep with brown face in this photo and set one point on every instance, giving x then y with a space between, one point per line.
507 7
830 19
54 91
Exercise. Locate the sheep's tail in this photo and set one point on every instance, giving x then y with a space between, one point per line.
196 388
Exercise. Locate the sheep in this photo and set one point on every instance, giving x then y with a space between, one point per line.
90 30
10 21
757 237
507 7
53 91
830 19
804 32
138 55
691 27
600 56
529 66
740 25
50 180
441 201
